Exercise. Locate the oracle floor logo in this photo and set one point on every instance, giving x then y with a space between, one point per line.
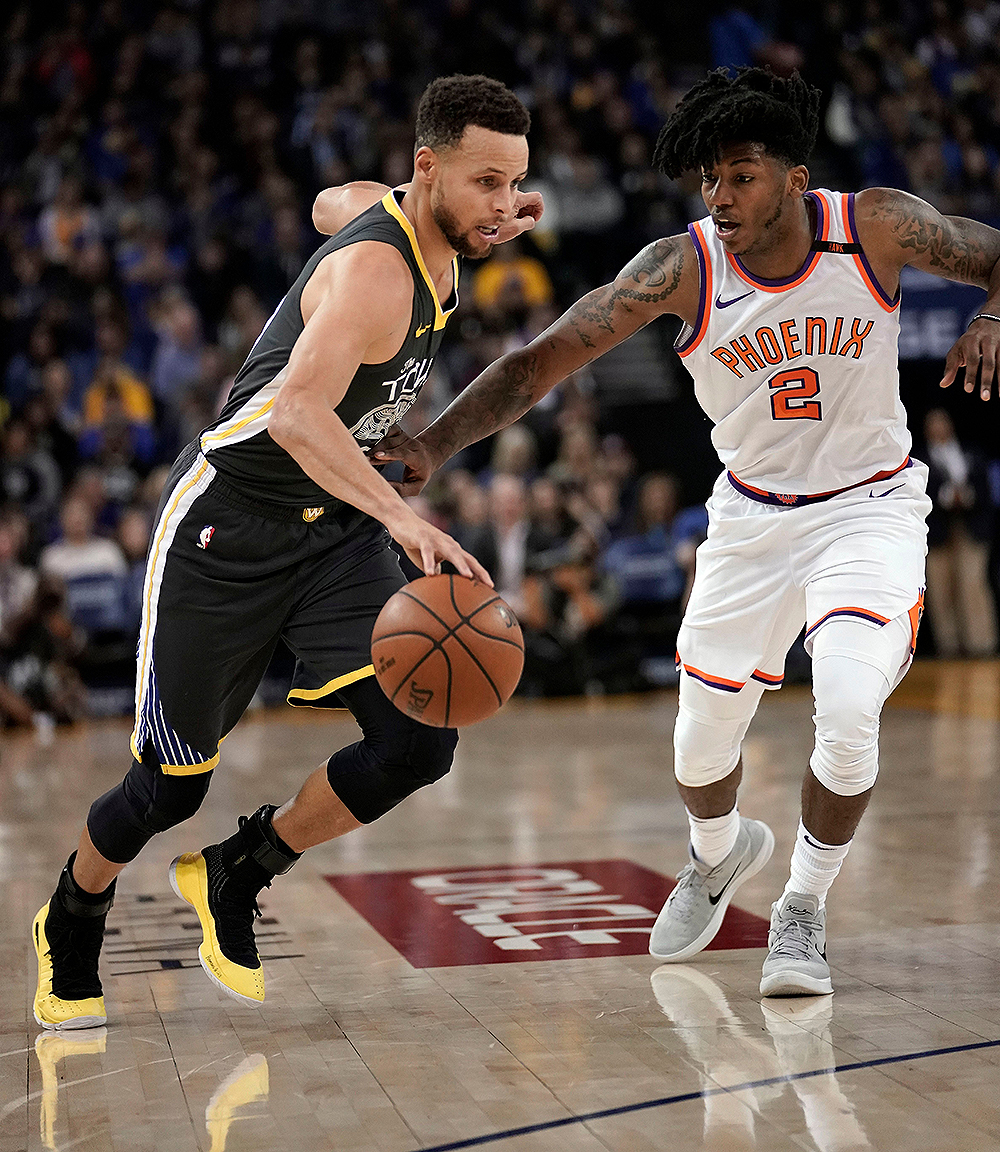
513 913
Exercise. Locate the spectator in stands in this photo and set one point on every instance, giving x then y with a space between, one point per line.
68 224
515 453
959 604
653 569
23 377
550 520
511 281
133 539
566 604
52 422
117 405
29 476
471 507
17 581
177 359
38 684
91 567
576 461
501 544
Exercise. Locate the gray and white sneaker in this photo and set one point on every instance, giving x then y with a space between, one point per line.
694 910
796 957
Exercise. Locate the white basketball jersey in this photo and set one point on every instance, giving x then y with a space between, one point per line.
800 375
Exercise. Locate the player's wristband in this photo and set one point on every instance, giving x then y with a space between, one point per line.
985 316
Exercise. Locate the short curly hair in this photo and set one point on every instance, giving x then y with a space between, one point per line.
754 106
451 103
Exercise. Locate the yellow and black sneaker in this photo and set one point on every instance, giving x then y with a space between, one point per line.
68 933
221 883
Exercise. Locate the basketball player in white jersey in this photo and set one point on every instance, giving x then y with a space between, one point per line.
790 303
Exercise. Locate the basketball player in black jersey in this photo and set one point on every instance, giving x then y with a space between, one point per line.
274 525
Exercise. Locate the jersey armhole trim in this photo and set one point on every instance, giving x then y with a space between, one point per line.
688 345
887 303
812 259
390 204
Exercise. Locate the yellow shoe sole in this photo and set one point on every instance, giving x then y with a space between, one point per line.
189 880
50 1011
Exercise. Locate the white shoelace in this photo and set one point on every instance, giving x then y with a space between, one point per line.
795 939
686 890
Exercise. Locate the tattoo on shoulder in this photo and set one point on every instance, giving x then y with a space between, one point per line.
651 277
959 249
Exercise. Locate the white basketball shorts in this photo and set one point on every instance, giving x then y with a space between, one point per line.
765 571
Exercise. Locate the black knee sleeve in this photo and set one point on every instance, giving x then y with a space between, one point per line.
147 801
393 760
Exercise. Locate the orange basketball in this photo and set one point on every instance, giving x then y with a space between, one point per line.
447 650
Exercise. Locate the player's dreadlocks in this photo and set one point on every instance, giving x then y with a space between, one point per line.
755 106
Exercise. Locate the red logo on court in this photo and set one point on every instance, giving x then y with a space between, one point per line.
513 913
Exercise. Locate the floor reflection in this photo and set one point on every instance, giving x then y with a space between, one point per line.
51 1048
731 1053
246 1084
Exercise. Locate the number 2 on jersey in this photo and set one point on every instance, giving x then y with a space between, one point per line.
792 392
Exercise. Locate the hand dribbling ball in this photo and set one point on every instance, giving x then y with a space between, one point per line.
447 650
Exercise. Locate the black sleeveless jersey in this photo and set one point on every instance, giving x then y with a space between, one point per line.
238 444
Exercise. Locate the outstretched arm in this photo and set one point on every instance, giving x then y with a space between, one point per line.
336 207
663 278
896 229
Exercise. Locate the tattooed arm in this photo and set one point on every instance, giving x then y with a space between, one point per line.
663 278
896 229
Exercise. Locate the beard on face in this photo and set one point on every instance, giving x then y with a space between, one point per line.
768 239
457 239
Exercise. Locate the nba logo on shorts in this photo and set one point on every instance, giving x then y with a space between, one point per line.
205 535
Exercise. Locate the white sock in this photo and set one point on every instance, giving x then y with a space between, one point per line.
814 865
714 838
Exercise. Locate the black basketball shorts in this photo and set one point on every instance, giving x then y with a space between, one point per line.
227 577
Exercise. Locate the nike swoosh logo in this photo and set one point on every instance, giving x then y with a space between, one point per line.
881 494
715 899
720 303
421 331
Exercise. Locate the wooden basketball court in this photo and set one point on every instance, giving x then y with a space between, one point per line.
471 971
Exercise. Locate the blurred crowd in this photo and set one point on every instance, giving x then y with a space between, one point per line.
158 165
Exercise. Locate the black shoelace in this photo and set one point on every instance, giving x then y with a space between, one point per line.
75 950
234 912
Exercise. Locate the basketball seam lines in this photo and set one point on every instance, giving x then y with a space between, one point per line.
426 656
450 632
481 608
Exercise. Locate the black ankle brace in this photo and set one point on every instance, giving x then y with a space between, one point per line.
262 844
78 902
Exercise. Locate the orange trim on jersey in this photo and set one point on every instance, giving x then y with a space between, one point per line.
766 678
804 272
861 264
705 297
712 681
915 614
797 499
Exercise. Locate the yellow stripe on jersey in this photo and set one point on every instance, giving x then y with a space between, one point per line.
394 210
211 439
154 572
329 686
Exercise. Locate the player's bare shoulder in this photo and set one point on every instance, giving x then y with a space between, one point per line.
662 278
367 282
897 228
